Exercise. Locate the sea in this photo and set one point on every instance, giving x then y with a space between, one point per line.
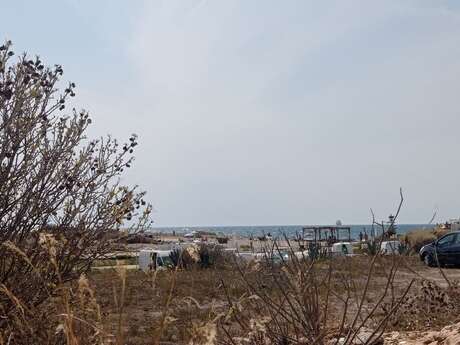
289 230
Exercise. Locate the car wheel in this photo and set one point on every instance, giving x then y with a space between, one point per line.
428 259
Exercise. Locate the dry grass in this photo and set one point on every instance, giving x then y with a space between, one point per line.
196 298
198 306
416 239
201 295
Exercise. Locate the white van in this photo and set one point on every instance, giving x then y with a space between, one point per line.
390 247
150 260
341 248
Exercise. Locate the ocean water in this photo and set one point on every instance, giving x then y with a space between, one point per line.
280 230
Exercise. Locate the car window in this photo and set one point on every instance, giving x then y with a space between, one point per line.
446 240
457 240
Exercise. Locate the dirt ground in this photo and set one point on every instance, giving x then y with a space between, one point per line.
433 274
196 296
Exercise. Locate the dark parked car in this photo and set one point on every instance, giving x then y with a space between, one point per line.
447 249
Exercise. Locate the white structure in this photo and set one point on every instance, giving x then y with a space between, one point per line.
275 257
302 255
454 224
150 259
246 256
191 234
341 248
309 235
390 247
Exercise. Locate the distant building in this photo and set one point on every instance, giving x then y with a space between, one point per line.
454 224
391 226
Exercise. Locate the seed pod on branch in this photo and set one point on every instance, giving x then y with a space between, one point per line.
54 183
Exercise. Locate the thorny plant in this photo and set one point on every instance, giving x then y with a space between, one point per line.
55 185
290 302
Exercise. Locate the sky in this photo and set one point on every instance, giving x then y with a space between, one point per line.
266 112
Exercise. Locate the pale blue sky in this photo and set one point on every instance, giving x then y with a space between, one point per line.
267 112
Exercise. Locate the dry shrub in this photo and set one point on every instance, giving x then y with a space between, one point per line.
70 315
429 306
61 201
185 306
195 301
212 256
304 301
416 239
440 232
204 335
202 256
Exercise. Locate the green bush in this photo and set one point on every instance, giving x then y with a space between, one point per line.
316 252
210 255
372 247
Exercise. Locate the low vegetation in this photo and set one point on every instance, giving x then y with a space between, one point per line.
228 301
416 239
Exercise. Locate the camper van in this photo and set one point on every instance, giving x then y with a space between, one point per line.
341 249
151 260
390 247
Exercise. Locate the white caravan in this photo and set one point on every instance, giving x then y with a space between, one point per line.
150 260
